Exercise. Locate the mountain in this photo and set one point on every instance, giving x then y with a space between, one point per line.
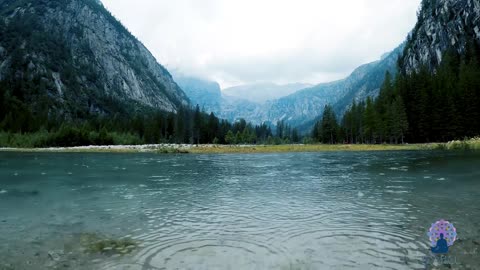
262 92
440 72
304 106
435 96
442 25
73 58
234 109
209 97
206 94
369 84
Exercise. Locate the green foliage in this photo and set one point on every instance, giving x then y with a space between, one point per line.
327 130
95 244
34 114
285 134
371 121
463 145
230 138
421 107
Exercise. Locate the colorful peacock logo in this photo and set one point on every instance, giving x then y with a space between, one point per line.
442 234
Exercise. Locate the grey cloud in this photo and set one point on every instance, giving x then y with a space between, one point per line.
269 40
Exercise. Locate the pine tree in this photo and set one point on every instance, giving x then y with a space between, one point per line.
212 127
329 126
230 138
316 132
399 120
170 127
370 122
197 125
179 128
469 87
382 103
280 129
295 136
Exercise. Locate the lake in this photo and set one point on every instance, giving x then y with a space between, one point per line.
363 210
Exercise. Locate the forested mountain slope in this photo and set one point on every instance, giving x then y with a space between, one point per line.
435 96
71 59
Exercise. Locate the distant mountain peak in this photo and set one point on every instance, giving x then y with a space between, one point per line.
264 91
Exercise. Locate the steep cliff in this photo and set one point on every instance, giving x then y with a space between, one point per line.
74 57
442 25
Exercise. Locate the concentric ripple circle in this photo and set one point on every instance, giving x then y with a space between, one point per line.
300 211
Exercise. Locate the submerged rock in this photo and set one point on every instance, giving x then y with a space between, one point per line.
95 244
55 255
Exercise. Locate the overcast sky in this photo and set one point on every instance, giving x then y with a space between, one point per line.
246 41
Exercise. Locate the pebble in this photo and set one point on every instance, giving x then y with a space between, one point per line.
55 255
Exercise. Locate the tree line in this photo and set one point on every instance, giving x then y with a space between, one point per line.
33 114
418 107
145 126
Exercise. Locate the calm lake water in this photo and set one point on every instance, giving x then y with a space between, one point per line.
262 211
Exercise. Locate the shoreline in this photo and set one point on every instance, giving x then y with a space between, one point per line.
225 149
466 145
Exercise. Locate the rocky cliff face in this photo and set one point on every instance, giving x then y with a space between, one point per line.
82 56
206 94
442 25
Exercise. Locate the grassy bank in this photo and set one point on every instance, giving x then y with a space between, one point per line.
120 149
220 149
66 137
290 148
466 145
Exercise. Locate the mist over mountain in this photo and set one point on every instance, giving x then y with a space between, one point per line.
72 59
262 92
443 26
206 94
306 105
303 106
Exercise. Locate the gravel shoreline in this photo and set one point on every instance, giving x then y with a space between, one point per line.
219 149
104 148
146 148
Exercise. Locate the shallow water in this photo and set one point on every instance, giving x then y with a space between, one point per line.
262 211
